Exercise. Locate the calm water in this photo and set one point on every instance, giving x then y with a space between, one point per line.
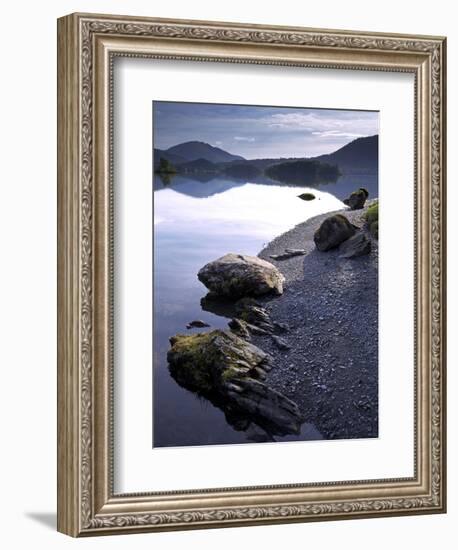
196 222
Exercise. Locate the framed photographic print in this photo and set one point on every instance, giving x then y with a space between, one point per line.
251 274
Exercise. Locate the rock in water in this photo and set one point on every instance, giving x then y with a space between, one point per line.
229 372
197 324
236 275
333 231
357 199
307 196
358 245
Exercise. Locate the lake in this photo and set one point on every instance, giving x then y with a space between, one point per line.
196 222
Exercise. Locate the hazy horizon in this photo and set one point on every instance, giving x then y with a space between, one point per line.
258 131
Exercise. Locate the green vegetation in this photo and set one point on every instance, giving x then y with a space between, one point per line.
191 361
165 167
206 361
372 219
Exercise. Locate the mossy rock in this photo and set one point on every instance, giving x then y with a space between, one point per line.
204 362
371 214
357 199
237 275
373 228
371 217
307 196
230 372
333 231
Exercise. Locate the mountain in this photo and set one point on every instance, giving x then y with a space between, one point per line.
357 157
202 161
195 150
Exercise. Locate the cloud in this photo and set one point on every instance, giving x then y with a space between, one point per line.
337 134
242 138
261 132
345 124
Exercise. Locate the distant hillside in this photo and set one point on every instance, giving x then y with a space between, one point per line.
172 158
302 172
357 157
198 165
242 170
194 150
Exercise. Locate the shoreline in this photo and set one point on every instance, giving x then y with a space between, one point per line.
330 305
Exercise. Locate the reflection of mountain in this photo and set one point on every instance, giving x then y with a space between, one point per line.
202 177
195 188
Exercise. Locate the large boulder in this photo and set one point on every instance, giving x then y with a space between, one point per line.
229 371
357 199
334 230
236 275
358 245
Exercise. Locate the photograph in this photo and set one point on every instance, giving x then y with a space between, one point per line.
230 350
265 274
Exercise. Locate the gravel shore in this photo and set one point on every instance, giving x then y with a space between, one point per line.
330 305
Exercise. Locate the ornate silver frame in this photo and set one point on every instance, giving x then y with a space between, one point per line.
87 44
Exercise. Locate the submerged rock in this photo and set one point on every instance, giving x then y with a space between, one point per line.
358 245
333 231
197 324
357 199
229 371
237 275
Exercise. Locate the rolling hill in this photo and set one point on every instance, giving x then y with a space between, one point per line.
360 156
357 157
195 150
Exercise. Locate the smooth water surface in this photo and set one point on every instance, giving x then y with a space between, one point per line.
196 222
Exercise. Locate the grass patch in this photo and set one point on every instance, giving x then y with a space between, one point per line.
371 217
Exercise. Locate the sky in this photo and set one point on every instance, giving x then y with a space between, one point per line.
260 132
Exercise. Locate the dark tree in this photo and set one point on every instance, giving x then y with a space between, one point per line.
165 167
